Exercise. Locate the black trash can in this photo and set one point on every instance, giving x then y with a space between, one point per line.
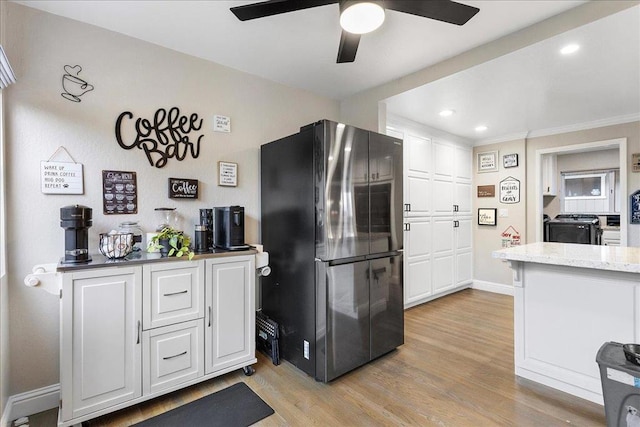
620 386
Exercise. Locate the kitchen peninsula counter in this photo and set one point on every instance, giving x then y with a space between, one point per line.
569 299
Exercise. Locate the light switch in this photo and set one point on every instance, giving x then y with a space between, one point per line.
503 213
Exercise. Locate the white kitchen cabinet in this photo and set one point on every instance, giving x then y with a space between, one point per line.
549 175
132 332
100 339
438 204
452 253
230 321
417 260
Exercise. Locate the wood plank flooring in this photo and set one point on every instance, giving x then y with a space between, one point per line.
455 369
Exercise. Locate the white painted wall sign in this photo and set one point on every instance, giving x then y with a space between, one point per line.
509 190
221 124
61 178
228 174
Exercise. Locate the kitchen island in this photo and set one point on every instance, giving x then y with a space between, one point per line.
569 299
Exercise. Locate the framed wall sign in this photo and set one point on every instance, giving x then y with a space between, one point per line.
227 174
510 160
182 188
635 208
488 161
119 193
510 190
486 191
61 178
487 216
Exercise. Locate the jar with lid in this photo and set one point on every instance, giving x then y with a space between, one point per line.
136 230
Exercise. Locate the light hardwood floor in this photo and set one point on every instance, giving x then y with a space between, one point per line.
455 369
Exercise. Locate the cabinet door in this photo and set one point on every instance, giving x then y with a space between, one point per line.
549 175
417 284
464 254
443 161
443 254
100 339
173 292
230 317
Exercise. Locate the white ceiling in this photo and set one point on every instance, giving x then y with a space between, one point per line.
536 90
299 49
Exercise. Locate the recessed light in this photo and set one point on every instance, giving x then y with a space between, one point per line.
481 128
446 113
569 49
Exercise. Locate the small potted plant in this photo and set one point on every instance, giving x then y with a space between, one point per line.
171 242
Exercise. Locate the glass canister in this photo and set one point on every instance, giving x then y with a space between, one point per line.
133 228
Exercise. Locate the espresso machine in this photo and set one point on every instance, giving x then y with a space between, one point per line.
76 221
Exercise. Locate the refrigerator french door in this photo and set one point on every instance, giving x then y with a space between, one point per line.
359 313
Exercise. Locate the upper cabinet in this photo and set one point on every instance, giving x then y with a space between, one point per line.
549 175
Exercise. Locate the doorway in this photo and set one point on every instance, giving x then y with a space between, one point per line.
620 144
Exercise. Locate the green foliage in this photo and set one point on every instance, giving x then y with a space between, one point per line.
178 242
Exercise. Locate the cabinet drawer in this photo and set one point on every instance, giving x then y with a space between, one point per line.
173 292
172 355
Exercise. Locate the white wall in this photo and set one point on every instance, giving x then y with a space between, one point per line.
487 239
128 75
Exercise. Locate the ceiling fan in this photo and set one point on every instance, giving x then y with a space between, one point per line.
358 17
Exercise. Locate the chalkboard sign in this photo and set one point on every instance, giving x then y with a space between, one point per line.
119 192
635 208
181 188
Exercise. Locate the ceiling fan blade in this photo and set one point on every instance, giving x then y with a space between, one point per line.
441 10
348 47
275 7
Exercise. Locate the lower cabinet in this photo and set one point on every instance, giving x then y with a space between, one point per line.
439 259
100 339
131 333
229 335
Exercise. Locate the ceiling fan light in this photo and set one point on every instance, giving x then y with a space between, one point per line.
362 17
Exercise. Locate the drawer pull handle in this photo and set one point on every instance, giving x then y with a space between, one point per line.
139 331
173 357
176 293
210 314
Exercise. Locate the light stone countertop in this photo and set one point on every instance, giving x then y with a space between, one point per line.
612 258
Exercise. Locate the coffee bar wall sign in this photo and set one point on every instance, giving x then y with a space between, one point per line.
61 177
119 193
509 190
227 174
182 188
166 136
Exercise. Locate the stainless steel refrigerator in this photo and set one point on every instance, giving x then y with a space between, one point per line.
331 199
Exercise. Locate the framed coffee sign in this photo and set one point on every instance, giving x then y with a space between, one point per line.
119 192
183 188
486 191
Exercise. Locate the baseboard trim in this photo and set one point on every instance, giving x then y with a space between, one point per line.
497 288
29 403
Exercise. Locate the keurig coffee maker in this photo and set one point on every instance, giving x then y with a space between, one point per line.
229 228
76 221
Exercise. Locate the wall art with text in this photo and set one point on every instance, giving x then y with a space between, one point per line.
167 135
